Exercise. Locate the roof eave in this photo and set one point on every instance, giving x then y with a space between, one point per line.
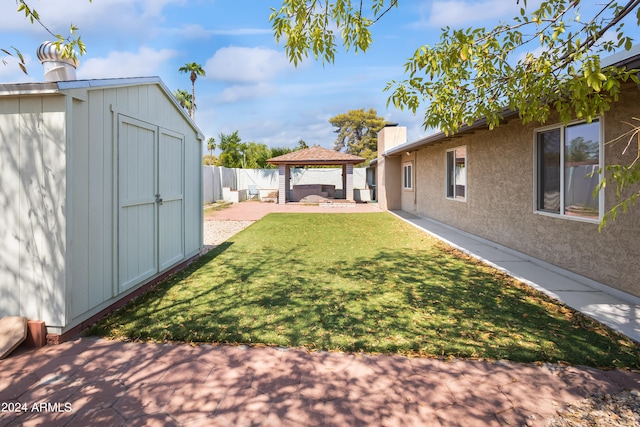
316 162
439 137
21 89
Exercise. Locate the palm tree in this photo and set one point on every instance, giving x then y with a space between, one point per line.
195 70
183 97
211 145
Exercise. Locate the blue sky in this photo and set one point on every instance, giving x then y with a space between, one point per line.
249 86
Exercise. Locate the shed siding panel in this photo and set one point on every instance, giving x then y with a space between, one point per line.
96 136
34 202
95 260
54 208
109 226
10 289
30 232
80 171
193 197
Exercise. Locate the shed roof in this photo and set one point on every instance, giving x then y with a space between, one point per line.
62 88
316 156
37 88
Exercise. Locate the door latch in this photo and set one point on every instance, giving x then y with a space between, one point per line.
158 199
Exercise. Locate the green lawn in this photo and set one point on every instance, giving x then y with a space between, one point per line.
362 282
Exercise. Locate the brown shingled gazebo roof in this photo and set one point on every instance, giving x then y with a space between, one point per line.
316 156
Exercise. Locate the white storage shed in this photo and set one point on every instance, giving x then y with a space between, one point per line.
100 193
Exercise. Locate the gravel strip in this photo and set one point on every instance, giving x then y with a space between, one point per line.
604 410
216 232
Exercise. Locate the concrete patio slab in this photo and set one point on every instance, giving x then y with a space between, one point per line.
238 385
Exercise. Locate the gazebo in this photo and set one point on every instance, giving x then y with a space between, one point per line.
314 156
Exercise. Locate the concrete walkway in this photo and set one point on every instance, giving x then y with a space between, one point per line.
618 310
91 381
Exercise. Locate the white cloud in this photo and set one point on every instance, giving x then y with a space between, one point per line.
192 31
242 32
247 65
535 52
130 16
242 92
197 31
10 71
459 13
154 8
56 14
146 62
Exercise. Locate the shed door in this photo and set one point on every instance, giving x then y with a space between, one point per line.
171 189
137 216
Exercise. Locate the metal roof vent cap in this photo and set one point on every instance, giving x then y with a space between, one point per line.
56 68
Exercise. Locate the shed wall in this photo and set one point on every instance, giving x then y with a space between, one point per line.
59 194
33 200
94 189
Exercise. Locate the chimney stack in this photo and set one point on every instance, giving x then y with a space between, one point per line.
391 136
56 68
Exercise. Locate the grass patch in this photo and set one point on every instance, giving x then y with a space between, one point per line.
362 282
217 206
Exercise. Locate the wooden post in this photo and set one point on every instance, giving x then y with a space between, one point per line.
348 191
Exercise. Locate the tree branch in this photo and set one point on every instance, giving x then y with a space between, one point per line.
393 4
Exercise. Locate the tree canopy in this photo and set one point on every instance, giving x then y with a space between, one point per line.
546 60
473 73
184 98
248 155
358 132
237 154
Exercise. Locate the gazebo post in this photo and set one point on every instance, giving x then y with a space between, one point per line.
348 187
287 183
283 181
344 182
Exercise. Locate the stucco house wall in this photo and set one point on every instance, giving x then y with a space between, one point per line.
389 169
500 203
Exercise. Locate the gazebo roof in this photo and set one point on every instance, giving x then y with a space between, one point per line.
316 156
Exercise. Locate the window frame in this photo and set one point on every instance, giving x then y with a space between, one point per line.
536 173
462 199
405 166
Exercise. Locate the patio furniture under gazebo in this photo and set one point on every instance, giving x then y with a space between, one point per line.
314 156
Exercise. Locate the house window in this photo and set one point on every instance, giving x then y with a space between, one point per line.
567 163
457 173
407 181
